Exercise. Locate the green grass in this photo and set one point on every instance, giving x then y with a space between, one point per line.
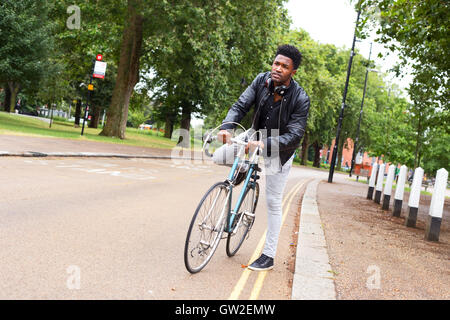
16 125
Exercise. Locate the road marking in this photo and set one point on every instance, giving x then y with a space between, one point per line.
262 275
69 166
246 273
95 170
133 173
128 172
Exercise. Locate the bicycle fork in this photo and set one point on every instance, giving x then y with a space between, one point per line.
233 213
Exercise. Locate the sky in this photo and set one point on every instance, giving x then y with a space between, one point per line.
333 21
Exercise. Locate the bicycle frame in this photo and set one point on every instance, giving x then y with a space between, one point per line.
219 216
252 170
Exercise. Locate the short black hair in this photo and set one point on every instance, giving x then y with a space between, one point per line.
291 52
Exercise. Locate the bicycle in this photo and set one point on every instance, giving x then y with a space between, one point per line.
213 215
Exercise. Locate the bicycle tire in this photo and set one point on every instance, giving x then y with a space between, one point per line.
205 222
234 241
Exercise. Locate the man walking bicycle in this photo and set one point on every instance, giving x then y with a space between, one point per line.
281 111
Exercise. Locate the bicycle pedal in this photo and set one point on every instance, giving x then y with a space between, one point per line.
205 243
203 226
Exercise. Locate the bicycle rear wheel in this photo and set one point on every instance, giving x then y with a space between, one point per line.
206 228
244 220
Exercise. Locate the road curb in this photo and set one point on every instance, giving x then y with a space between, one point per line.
312 277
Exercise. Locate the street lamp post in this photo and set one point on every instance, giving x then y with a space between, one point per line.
360 115
341 114
86 109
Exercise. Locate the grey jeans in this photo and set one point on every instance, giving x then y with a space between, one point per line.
276 179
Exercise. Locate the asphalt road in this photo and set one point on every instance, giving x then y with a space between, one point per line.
115 229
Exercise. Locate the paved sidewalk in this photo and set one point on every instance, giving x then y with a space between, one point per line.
373 255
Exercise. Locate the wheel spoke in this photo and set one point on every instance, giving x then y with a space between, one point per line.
244 220
206 228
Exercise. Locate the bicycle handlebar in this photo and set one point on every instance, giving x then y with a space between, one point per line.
238 141
208 140
241 142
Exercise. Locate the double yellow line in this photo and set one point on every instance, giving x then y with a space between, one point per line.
262 274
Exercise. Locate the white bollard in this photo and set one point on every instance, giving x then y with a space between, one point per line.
380 180
388 187
414 197
399 191
434 220
372 181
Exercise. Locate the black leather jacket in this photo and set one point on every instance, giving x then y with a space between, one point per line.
291 120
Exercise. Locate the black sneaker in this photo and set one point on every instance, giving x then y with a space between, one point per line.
262 263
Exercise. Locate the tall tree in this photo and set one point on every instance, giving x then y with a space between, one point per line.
7 97
99 32
128 71
209 49
418 30
26 43
436 153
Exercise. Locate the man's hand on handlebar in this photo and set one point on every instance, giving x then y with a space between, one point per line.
252 145
224 136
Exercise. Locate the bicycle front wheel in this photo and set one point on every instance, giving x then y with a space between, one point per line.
206 227
243 221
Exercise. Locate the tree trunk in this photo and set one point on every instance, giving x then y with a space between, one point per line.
304 155
7 100
317 148
50 107
77 113
14 88
185 124
168 127
127 73
95 117
339 155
